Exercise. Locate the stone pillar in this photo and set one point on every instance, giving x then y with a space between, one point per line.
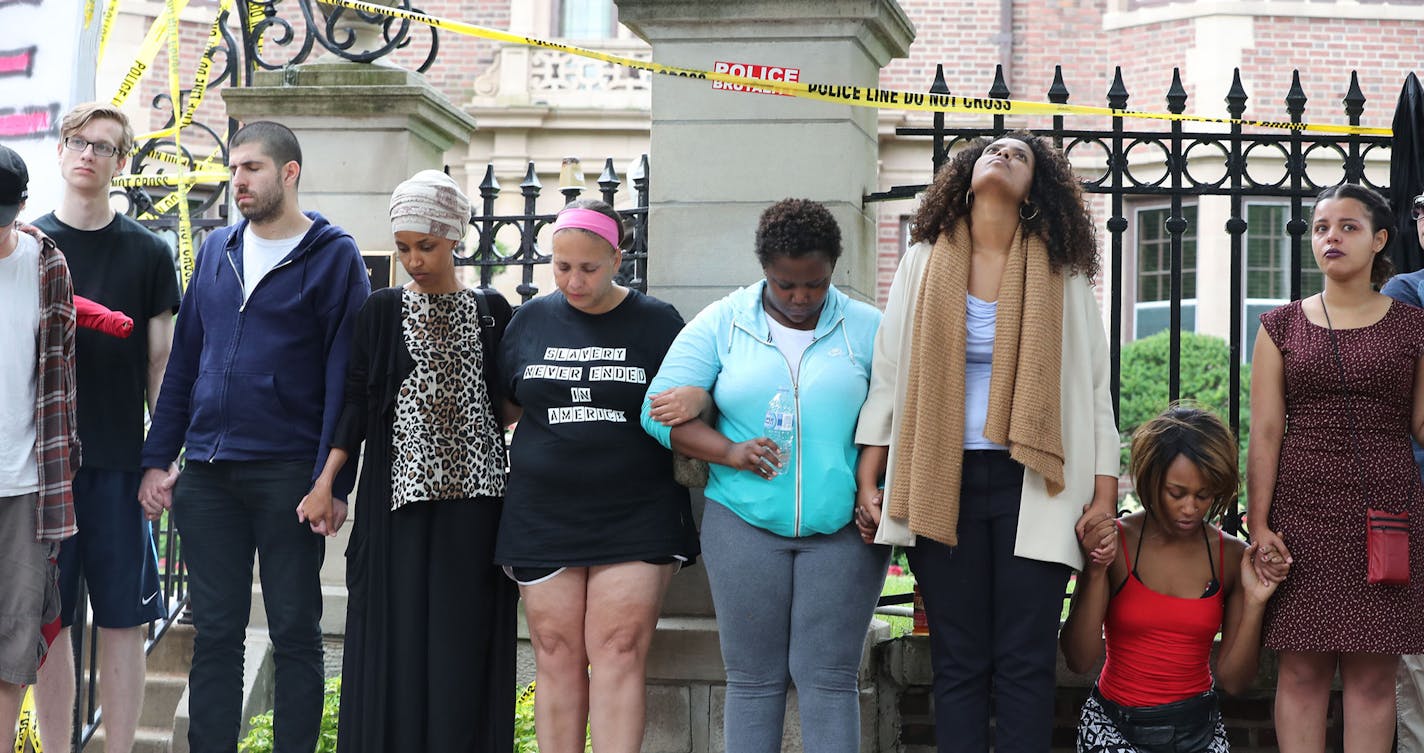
363 129
719 158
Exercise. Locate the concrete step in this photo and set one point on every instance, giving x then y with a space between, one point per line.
161 693
146 740
174 652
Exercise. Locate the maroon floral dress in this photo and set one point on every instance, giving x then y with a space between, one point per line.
1318 508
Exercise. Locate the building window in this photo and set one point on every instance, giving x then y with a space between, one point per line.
587 19
1268 252
1152 311
1154 255
1268 265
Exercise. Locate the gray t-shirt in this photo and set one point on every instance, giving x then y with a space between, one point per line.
20 311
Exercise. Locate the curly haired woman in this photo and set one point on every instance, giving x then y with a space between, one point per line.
990 425
793 585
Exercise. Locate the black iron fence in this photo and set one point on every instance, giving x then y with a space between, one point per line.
1132 160
493 248
1138 160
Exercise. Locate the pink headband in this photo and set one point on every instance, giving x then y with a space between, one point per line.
597 223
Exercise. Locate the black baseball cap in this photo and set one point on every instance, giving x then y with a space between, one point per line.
14 184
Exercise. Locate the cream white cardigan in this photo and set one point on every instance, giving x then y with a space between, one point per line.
1090 438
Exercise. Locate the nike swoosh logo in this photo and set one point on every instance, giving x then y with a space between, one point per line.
150 598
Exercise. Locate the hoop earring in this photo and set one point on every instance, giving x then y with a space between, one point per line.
1030 205
969 198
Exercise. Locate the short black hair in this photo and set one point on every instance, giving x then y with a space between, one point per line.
795 228
1381 218
277 141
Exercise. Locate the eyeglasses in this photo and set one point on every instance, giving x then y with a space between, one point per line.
1417 210
101 149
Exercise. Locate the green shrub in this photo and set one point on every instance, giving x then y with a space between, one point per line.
524 740
259 738
1205 378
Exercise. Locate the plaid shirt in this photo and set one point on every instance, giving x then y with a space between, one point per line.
57 443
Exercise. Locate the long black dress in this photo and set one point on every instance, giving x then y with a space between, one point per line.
430 625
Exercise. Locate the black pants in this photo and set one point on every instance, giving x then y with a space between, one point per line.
993 619
226 512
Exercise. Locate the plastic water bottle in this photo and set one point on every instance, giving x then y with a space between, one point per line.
780 424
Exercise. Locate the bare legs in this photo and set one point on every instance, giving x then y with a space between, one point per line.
591 628
121 672
10 698
1303 696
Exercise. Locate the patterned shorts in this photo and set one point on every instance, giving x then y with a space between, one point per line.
1098 734
29 590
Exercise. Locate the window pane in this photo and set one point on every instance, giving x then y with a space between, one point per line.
1154 255
1268 252
586 19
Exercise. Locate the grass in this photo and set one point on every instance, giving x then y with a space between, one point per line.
898 584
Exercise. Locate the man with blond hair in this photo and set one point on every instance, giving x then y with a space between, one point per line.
122 265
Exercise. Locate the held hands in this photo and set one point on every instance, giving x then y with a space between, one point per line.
1271 560
868 503
1097 535
678 405
155 491
1258 590
760 456
321 511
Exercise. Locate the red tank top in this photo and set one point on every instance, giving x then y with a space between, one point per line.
1158 646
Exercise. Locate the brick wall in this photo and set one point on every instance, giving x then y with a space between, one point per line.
962 35
1325 51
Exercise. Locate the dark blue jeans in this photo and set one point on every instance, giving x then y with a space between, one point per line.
225 512
993 619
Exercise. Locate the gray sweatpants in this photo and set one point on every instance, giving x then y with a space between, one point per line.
790 610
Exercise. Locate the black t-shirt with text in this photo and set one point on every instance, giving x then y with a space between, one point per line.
127 268
587 485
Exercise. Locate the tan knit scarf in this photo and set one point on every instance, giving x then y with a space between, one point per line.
1024 411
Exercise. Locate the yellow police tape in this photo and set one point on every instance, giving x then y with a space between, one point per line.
157 34
859 96
185 222
110 11
27 737
206 167
199 89
165 29
170 179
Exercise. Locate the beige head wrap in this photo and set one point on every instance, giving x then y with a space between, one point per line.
430 202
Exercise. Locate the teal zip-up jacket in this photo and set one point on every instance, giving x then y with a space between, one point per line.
727 350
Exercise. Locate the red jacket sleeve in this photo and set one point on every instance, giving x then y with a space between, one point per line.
96 316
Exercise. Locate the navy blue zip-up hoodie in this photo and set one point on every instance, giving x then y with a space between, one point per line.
261 380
